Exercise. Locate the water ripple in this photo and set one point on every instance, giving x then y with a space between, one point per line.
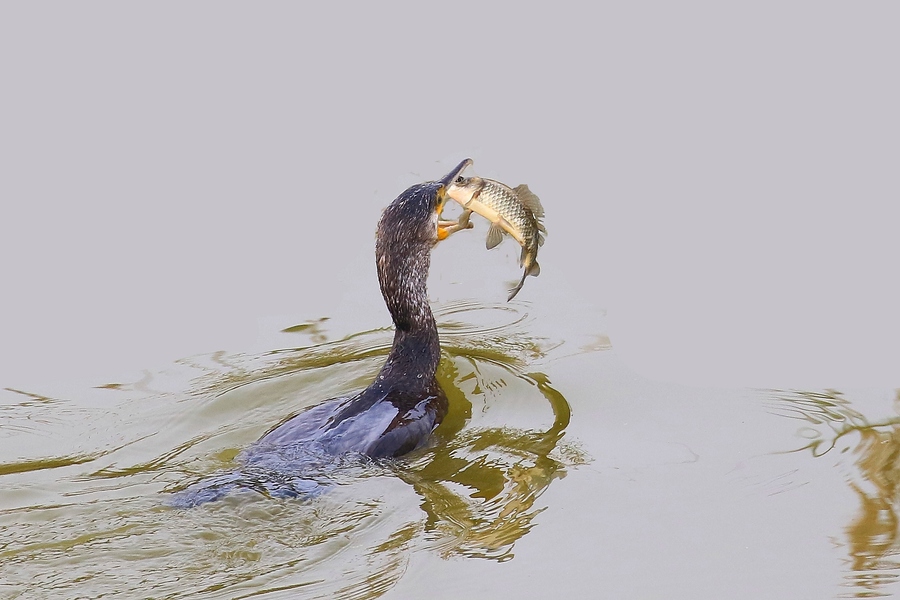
833 423
103 527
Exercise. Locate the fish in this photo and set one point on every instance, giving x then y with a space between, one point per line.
516 211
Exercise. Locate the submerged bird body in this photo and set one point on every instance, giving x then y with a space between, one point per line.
398 411
516 211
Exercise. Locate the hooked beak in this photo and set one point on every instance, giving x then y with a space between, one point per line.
452 175
445 182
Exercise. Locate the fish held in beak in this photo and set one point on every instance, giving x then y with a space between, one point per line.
447 227
513 211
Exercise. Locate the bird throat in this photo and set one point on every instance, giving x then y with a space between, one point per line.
403 274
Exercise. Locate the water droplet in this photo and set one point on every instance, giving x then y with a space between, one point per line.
419 376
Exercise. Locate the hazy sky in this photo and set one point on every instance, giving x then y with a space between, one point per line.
723 179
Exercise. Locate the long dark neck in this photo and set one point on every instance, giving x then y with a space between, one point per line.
403 273
412 362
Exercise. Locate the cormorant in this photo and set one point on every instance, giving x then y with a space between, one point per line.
404 404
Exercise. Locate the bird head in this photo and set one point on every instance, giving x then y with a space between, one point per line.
413 217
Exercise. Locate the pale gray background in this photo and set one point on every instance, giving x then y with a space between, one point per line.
176 176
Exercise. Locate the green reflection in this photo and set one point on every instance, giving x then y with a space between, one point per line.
873 536
479 485
474 492
24 466
314 329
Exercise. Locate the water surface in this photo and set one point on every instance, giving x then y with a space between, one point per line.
556 469
95 519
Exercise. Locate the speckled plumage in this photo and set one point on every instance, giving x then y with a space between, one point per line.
398 411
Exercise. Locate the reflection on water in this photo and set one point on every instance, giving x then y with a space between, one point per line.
315 329
873 537
479 487
93 520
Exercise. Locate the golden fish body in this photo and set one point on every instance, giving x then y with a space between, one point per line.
516 211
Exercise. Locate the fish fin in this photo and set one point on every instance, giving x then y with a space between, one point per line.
531 268
515 290
494 236
529 200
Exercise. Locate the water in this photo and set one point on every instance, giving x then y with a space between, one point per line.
556 468
96 520
189 201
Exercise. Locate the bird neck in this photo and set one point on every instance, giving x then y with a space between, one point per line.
413 360
403 275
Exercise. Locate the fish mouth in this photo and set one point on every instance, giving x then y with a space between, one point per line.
452 175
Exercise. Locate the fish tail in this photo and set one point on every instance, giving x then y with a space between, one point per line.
528 259
533 269
515 290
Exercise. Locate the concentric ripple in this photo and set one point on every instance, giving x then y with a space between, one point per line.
97 522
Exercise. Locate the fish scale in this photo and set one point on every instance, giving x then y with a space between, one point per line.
515 211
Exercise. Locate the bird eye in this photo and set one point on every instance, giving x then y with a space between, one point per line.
459 179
